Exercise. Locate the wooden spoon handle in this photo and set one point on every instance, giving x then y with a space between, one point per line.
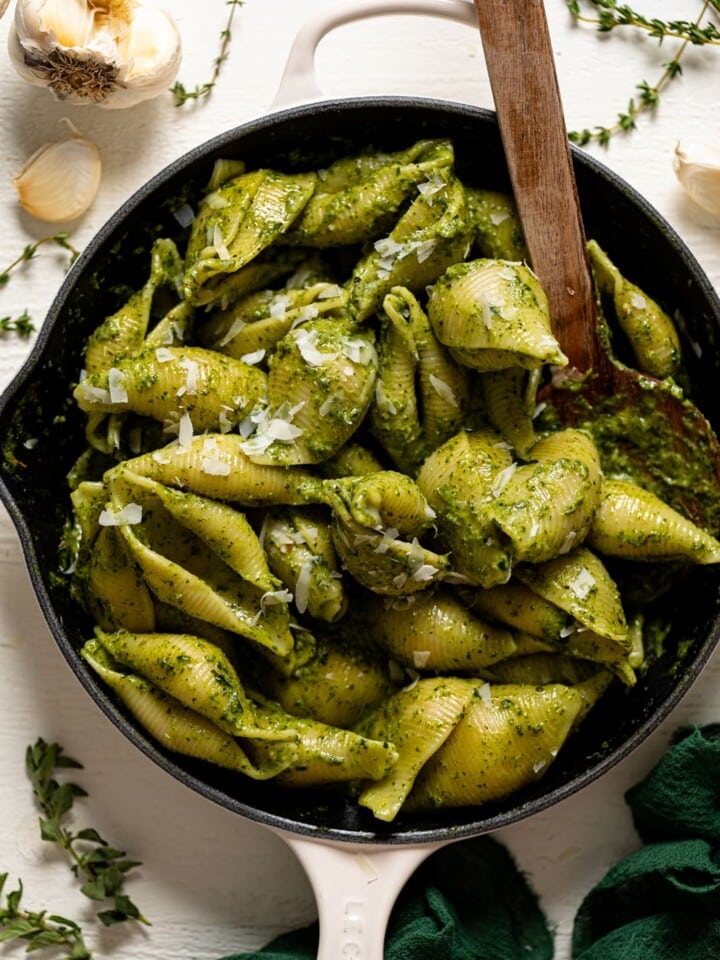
522 74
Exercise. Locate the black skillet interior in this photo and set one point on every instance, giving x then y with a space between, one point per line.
37 406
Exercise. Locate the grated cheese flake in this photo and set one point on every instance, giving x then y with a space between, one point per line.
257 356
163 355
302 586
130 514
387 538
421 658
485 694
443 390
232 331
116 388
501 479
185 430
582 583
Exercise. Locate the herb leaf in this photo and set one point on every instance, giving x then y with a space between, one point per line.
101 868
38 930
180 92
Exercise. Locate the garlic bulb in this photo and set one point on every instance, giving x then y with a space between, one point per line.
701 180
59 181
113 53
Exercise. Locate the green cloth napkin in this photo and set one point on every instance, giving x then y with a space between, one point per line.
663 901
467 901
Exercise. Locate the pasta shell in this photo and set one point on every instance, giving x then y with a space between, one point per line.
505 394
300 552
493 314
521 609
651 332
239 220
381 500
353 460
546 508
216 466
417 720
123 332
356 201
434 631
324 754
117 596
421 394
457 480
383 563
169 383
508 737
261 320
579 584
196 674
498 231
632 522
321 381
172 725
430 236
338 686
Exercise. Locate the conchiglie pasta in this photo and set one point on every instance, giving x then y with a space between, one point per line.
493 314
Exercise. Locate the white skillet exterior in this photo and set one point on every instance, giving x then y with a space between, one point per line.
212 883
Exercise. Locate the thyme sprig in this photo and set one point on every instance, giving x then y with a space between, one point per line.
608 16
22 325
101 867
29 252
181 94
38 929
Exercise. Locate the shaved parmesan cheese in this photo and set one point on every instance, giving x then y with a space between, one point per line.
387 538
252 358
502 479
192 375
424 249
330 291
485 694
499 217
215 467
638 301
302 586
443 390
306 341
421 658
233 330
130 514
426 571
185 430
163 355
487 311
219 243
304 314
582 584
118 393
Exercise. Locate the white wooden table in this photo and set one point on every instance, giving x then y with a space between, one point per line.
211 883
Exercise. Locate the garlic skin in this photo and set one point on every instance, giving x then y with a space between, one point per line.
3 6
700 179
60 180
112 53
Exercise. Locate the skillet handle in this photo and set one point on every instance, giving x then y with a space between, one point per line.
298 82
355 887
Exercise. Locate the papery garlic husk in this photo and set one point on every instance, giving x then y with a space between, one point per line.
3 6
59 181
700 179
113 53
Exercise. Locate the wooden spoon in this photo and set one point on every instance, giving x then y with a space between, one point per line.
641 424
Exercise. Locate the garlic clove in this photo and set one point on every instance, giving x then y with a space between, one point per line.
3 6
151 50
700 179
59 181
69 22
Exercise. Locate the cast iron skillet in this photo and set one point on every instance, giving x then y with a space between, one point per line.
38 406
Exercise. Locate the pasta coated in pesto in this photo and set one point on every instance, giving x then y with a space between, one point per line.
324 531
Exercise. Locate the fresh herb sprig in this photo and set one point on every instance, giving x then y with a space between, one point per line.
29 252
101 867
22 325
181 94
610 15
38 929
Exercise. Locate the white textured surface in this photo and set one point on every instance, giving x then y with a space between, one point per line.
211 883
